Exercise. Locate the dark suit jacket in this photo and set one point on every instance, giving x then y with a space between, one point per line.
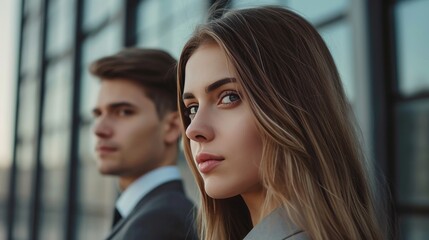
165 213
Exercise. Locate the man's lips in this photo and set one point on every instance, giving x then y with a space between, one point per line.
106 149
207 162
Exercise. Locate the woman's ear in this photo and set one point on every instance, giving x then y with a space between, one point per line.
172 129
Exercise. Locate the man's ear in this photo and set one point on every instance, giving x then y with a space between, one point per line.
171 127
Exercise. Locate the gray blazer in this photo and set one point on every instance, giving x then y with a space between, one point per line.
164 213
276 226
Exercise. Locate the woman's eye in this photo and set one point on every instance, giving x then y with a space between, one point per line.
229 98
191 111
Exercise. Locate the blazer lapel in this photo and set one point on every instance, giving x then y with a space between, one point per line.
276 225
175 185
117 227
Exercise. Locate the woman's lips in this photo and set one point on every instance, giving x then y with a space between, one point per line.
207 162
207 166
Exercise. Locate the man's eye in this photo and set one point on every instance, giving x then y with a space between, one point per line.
95 115
125 112
229 98
191 111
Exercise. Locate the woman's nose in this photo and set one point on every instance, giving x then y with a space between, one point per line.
200 129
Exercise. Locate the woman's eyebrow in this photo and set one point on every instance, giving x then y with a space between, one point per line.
219 83
211 87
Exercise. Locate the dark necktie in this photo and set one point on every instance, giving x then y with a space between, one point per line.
116 217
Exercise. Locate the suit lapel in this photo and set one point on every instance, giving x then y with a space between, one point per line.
175 185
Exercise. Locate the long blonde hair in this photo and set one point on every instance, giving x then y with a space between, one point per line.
311 163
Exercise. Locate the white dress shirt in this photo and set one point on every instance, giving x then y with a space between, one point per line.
143 185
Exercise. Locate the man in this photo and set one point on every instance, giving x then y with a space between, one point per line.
137 130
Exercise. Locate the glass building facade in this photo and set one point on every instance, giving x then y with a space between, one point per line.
52 189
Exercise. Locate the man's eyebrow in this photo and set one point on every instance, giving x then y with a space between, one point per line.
211 87
120 104
114 105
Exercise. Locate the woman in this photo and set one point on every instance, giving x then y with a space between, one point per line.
268 135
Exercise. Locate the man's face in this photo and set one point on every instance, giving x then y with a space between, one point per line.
130 136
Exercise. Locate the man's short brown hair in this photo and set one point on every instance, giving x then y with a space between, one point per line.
154 69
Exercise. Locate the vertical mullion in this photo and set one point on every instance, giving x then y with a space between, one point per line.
383 92
72 208
38 171
130 35
13 169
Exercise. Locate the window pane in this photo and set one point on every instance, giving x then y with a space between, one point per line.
339 40
413 49
31 47
54 190
168 31
412 151
97 11
313 10
255 3
60 26
97 193
28 109
58 90
316 10
25 167
32 5
107 42
55 148
414 227
4 194
25 158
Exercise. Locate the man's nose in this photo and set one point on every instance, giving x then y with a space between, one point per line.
102 128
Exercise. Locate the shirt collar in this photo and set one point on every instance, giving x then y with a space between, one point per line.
143 185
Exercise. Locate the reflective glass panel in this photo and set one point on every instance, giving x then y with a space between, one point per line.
255 3
55 149
97 193
413 49
28 109
412 151
4 194
54 185
58 90
31 46
169 32
313 10
24 186
414 228
316 10
338 37
60 34
33 6
25 159
105 43
97 11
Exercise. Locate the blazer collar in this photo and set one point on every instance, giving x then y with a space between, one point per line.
276 225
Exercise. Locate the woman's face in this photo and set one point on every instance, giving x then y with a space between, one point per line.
224 140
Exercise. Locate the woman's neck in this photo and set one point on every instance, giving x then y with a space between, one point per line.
255 202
